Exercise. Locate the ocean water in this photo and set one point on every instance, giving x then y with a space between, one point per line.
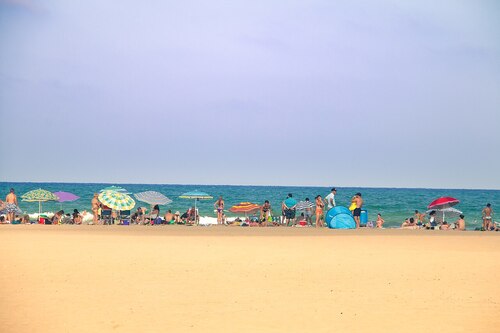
395 204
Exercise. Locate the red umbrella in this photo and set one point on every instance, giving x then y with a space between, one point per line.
444 202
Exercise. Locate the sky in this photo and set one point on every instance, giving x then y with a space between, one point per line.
321 93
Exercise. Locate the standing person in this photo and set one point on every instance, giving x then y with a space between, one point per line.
265 211
308 212
419 217
290 209
95 208
320 204
11 205
488 217
380 221
460 224
358 200
219 205
330 199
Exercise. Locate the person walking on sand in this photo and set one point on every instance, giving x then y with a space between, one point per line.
330 199
11 205
219 206
488 217
320 204
95 208
358 200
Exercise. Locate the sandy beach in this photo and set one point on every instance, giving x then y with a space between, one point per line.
232 279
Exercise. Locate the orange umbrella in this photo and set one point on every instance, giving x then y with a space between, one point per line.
244 207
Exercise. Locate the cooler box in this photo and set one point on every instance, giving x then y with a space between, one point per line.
364 216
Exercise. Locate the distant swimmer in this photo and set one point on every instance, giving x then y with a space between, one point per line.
487 213
356 213
11 205
380 221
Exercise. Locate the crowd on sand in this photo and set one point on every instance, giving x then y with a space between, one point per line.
312 214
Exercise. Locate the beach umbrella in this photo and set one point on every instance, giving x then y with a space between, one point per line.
66 197
116 200
446 212
244 207
442 203
116 189
303 205
196 195
152 198
39 196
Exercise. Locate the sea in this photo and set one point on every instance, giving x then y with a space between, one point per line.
395 204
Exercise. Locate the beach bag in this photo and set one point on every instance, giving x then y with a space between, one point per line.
158 220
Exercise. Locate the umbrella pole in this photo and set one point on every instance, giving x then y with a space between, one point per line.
195 220
39 209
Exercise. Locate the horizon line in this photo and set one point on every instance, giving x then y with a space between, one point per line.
254 185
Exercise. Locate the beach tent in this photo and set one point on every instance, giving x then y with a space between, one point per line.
340 218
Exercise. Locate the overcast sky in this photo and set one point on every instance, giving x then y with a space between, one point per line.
345 93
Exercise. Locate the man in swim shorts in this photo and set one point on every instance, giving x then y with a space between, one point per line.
357 211
488 217
11 205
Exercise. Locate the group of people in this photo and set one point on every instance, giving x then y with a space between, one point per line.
287 217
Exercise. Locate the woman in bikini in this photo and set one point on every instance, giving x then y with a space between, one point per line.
219 205
319 211
265 211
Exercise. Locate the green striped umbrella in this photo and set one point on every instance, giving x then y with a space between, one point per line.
116 200
116 189
39 196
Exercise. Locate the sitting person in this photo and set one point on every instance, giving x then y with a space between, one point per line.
155 212
138 216
66 219
77 217
169 217
56 219
380 222
177 217
409 224
2 220
444 226
25 219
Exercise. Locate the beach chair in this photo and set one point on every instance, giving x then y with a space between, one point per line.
124 215
106 216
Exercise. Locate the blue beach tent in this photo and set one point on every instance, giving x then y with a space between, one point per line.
340 218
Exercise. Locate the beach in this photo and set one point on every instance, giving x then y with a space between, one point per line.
70 278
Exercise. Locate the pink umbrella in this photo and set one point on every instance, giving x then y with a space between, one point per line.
66 196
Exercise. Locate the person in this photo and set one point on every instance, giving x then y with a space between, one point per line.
11 205
409 224
330 199
26 219
77 217
290 209
380 221
320 204
308 212
177 217
460 224
219 206
169 217
358 200
155 214
138 216
419 218
444 226
95 208
265 211
488 217
56 219
3 220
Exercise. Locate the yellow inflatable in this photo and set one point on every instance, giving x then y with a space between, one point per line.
353 206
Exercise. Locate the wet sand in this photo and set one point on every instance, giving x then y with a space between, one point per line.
235 279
